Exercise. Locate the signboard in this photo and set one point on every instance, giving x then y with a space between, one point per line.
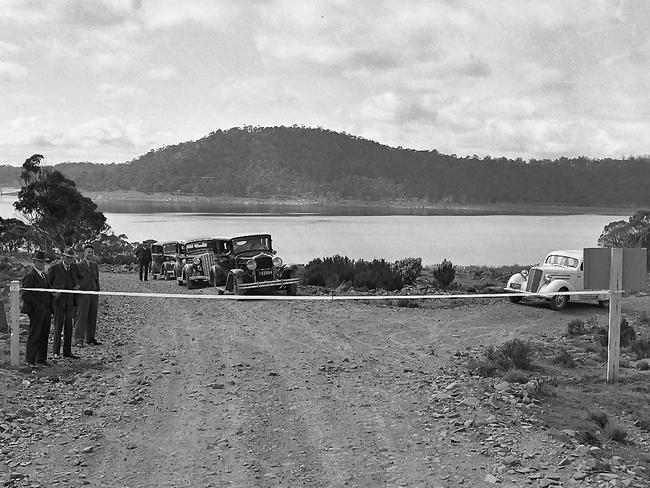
597 264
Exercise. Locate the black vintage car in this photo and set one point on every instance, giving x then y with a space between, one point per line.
199 259
249 262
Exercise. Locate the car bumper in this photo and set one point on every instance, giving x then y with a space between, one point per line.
266 284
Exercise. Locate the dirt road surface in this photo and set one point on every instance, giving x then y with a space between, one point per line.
319 394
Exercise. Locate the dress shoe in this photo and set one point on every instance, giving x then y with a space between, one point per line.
94 343
56 356
32 365
70 356
79 344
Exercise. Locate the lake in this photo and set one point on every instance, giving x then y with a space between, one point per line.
301 236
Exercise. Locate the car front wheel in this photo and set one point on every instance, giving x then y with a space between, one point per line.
559 302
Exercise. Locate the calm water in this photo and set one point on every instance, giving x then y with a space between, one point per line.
299 237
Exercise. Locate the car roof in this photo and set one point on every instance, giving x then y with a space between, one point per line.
251 235
169 242
572 253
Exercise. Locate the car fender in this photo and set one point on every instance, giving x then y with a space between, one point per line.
517 278
556 285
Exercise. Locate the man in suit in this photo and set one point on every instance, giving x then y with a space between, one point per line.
87 275
38 306
143 253
62 277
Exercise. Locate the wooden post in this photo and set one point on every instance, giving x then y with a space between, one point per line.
615 288
4 326
14 290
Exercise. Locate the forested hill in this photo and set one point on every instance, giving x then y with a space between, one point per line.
304 162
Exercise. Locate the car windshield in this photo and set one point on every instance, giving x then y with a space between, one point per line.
155 249
169 248
198 247
252 243
559 260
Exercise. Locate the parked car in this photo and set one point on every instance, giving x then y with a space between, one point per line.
157 259
169 250
561 271
199 258
179 261
248 263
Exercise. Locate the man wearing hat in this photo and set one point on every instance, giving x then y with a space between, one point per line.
62 277
87 275
38 306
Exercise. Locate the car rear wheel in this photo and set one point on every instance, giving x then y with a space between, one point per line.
559 302
190 284
515 299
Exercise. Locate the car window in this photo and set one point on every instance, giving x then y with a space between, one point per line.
257 243
197 246
562 261
169 248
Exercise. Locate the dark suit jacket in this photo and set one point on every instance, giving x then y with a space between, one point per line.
87 275
35 299
61 279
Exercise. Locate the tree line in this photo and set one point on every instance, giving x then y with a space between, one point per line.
318 163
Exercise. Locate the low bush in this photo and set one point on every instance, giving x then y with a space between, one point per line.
565 359
644 318
641 348
333 271
409 269
599 417
482 368
511 354
576 327
616 432
444 273
627 334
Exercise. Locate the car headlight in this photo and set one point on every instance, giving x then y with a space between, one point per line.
548 278
277 262
524 273
251 264
196 260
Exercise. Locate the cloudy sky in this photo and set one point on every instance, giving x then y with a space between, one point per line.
108 80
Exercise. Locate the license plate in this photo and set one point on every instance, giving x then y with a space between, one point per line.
265 272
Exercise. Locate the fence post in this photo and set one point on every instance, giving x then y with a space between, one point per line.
615 289
14 290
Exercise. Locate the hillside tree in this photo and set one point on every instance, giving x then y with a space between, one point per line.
51 203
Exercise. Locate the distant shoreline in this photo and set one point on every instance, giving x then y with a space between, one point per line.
116 199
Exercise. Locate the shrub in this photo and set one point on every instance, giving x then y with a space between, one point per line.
644 318
512 354
376 274
576 327
627 334
444 273
599 417
481 368
409 269
616 432
333 271
564 358
329 271
641 348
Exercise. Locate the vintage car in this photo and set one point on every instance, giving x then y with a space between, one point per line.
179 261
199 258
249 263
561 271
157 259
169 251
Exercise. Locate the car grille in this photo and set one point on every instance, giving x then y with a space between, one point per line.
264 268
534 278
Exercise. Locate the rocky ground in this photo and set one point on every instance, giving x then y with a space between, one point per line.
188 392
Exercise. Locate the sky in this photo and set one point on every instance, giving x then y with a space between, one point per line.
108 80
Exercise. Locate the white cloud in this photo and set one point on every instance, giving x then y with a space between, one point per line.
8 48
162 73
10 71
111 92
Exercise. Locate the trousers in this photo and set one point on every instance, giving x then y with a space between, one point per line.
86 326
39 333
63 312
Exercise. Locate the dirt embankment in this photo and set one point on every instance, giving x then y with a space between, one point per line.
256 393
